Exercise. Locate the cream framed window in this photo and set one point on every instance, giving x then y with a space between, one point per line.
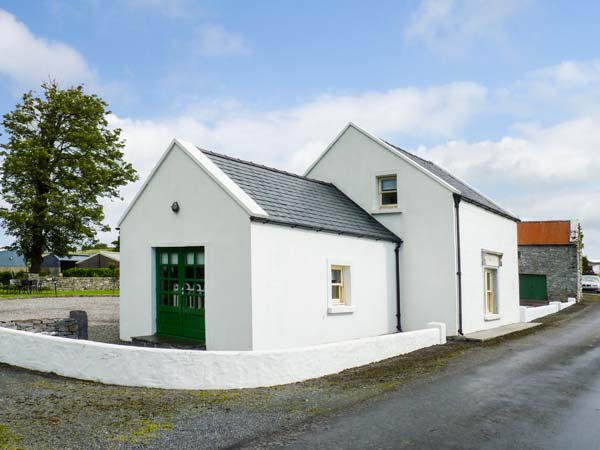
387 191
490 277
338 289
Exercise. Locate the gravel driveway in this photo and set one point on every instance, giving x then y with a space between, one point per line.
103 312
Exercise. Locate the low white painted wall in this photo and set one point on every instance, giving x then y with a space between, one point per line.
527 313
189 369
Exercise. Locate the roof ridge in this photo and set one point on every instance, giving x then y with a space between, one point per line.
262 166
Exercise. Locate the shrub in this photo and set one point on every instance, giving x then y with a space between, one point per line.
5 277
90 272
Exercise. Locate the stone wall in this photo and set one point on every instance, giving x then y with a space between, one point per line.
87 283
68 328
560 264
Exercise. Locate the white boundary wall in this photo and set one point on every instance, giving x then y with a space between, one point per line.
189 369
527 314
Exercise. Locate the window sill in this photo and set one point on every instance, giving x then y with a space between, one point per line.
386 211
341 309
490 317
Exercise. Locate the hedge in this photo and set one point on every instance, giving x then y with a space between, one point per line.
91 272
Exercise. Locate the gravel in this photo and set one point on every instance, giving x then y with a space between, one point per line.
103 313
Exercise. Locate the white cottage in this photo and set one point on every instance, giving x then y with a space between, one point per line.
372 240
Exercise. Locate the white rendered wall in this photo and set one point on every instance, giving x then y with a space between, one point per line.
192 369
290 286
483 230
424 220
208 217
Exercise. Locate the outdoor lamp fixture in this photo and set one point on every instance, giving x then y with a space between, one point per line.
175 207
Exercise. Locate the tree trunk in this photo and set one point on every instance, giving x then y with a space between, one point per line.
36 263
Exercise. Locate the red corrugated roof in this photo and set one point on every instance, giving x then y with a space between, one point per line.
554 232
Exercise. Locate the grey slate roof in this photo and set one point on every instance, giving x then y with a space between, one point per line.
295 200
467 192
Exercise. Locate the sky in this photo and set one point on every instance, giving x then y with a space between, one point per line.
506 95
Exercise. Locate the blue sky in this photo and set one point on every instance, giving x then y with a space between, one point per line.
504 94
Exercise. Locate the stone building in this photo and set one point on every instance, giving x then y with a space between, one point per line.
549 261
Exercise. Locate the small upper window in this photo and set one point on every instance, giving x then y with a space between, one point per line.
338 292
388 192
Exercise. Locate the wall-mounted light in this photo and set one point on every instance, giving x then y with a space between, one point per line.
175 207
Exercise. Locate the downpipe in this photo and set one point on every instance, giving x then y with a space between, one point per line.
398 318
457 198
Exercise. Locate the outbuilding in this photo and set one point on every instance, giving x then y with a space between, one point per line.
11 261
100 260
241 256
549 261
55 264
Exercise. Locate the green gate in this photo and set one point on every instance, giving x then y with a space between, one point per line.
533 288
180 291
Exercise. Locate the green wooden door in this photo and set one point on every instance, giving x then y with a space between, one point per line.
533 287
180 293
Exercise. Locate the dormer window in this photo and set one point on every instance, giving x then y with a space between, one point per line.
388 191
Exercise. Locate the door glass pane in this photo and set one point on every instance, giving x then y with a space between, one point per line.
164 258
164 299
173 271
164 285
189 271
199 288
164 271
174 258
189 258
200 257
200 273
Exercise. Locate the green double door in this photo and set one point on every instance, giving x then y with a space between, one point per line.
180 292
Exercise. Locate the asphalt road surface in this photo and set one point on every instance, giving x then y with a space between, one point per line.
543 393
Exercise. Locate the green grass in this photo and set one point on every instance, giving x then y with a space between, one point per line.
42 294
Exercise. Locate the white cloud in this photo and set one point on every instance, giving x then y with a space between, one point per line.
28 59
451 26
543 173
214 40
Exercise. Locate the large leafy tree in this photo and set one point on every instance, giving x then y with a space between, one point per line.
60 160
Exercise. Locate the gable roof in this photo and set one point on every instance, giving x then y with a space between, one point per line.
217 175
432 170
115 256
10 258
468 193
298 201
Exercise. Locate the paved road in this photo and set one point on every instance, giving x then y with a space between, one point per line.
543 392
103 312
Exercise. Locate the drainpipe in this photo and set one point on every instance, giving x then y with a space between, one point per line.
397 251
458 265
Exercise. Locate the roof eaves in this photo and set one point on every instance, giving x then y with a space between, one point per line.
391 238
492 210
